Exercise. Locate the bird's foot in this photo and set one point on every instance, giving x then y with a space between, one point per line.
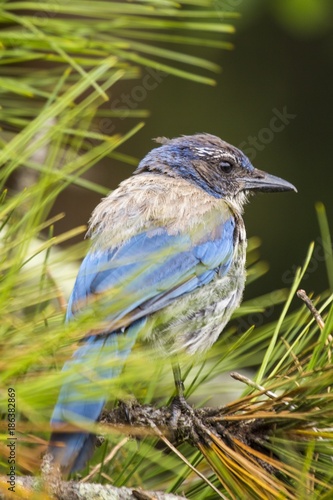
179 407
180 402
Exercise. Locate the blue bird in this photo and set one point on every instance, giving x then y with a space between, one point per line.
167 261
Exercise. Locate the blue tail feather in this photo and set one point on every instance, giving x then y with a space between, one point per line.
79 402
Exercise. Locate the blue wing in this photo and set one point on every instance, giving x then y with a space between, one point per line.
148 272
125 284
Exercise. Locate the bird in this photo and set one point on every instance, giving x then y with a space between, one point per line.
166 262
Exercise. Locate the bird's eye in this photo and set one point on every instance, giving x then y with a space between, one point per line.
226 167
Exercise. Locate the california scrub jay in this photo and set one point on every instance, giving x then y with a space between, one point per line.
167 261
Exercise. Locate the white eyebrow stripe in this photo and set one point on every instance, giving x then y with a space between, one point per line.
214 153
207 151
230 155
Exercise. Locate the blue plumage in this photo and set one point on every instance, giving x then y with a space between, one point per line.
90 364
165 251
149 266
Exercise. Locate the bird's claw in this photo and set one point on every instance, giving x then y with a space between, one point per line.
179 406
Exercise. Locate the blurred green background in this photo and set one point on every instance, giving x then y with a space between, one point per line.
282 62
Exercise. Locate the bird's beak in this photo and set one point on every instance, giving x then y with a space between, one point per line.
259 180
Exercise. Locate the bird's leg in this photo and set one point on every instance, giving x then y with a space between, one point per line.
178 381
179 404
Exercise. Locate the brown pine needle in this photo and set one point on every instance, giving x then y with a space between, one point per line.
108 459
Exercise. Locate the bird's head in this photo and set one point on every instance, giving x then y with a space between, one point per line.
212 164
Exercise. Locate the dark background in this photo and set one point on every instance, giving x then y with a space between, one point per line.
283 59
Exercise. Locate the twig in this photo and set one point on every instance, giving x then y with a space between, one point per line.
301 294
252 383
31 487
315 313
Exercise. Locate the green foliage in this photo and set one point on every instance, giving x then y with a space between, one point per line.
58 69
